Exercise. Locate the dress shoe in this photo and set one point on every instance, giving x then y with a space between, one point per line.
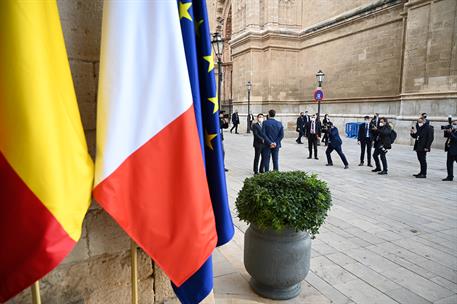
416 175
421 176
316 158
369 165
225 169
346 167
361 164
376 170
310 157
448 179
329 165
382 173
299 142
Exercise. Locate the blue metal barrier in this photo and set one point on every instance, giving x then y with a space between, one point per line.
352 129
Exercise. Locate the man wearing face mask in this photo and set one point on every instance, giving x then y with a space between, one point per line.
258 144
451 149
382 144
313 130
424 138
365 140
306 119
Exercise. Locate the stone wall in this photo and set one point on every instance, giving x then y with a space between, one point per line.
97 271
395 57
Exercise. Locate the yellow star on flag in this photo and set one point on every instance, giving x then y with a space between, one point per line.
210 59
184 10
197 27
208 139
216 104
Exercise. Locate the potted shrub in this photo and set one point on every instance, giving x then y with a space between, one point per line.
285 210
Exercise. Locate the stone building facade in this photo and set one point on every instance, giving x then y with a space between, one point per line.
395 57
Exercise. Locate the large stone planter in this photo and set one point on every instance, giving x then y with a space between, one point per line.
276 261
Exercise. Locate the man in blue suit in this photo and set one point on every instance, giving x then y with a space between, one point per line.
273 132
335 143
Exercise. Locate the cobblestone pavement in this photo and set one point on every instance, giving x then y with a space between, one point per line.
388 239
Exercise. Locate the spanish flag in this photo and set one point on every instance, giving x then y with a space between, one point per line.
46 172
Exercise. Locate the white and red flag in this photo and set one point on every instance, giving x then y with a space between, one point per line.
150 174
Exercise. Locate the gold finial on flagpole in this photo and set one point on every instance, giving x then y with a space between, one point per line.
36 298
134 271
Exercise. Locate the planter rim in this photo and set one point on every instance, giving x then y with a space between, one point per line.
286 232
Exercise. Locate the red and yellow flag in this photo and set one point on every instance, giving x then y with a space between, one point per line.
46 172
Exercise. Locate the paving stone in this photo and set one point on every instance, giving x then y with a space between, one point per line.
449 300
361 292
371 277
378 242
405 296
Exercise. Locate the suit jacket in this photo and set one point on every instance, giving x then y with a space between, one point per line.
451 143
273 132
306 119
373 122
259 139
424 138
235 118
334 138
363 132
382 137
300 124
318 128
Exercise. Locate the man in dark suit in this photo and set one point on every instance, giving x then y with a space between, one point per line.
335 143
451 149
273 133
300 127
424 139
235 122
375 121
313 131
259 143
382 144
365 140
306 119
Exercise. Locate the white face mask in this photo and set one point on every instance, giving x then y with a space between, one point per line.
313 118
454 127
260 119
366 120
381 124
420 124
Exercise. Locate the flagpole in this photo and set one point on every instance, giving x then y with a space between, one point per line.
36 298
134 271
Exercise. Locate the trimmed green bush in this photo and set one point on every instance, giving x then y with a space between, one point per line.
276 200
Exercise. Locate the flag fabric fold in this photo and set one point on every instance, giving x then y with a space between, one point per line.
200 61
150 173
46 172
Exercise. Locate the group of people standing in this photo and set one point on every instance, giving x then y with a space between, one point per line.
375 132
268 134
312 129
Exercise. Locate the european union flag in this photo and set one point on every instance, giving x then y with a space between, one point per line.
200 63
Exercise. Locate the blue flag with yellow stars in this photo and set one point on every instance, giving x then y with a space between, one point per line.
200 62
